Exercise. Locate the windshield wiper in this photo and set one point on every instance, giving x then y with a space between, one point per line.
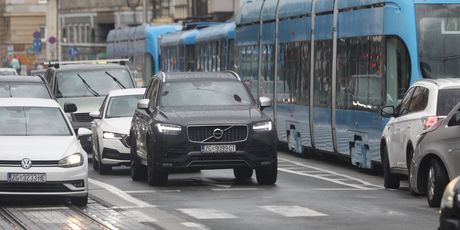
88 87
116 80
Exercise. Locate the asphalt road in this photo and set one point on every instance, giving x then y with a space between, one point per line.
315 193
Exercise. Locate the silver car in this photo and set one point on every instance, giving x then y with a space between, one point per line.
436 158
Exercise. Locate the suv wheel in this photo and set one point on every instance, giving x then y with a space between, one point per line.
104 169
243 173
95 163
390 180
436 182
267 175
79 201
155 177
138 171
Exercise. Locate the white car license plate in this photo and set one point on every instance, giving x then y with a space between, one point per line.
26 177
218 148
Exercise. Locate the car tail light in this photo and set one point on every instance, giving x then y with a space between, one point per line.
428 122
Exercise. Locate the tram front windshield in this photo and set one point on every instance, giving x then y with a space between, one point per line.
438 27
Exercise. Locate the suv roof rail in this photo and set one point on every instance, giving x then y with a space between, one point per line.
232 73
431 80
56 64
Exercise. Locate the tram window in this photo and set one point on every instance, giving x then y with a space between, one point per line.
397 70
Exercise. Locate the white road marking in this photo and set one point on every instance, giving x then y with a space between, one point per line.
171 190
340 189
139 216
205 214
122 194
293 211
140 191
362 184
194 225
235 189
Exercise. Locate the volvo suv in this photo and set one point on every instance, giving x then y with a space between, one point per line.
194 121
425 103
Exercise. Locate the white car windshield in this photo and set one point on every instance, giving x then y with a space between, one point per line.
33 121
122 106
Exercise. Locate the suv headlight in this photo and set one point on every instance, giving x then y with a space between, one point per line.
168 129
110 135
262 126
448 195
73 160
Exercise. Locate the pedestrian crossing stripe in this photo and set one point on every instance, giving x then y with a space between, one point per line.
205 214
293 211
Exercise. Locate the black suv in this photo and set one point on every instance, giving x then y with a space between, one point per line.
24 86
85 84
202 121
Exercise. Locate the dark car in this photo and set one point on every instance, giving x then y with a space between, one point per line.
450 206
85 84
24 86
202 121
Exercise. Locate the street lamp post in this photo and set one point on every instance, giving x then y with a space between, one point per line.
133 4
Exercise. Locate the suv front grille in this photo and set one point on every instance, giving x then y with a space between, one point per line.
82 117
205 133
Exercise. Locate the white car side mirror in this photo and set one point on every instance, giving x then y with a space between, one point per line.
95 114
84 132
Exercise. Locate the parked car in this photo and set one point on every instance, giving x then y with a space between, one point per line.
52 163
425 103
450 206
111 126
85 84
189 121
8 72
24 86
436 158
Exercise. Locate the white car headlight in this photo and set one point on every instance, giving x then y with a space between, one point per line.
263 126
110 135
448 195
73 160
168 129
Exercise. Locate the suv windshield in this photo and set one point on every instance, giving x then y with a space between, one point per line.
122 106
16 89
438 29
91 83
447 99
204 93
32 121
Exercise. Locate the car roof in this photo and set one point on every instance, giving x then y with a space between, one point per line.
89 66
179 76
28 102
28 79
8 69
124 92
443 83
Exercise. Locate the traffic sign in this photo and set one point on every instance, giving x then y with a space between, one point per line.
52 40
37 35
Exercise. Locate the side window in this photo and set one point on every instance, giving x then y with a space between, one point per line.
403 108
101 109
455 120
148 92
419 100
154 92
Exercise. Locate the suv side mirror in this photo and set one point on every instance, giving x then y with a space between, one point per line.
265 102
84 132
388 111
70 108
143 104
95 115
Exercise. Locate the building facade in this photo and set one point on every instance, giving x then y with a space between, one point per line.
22 31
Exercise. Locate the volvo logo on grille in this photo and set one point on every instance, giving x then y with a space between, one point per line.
218 133
26 163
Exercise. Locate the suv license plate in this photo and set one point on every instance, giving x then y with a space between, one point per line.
26 177
218 148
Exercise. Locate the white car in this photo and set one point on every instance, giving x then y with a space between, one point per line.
8 72
424 104
41 154
111 127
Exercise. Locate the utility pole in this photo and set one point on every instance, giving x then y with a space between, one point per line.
145 11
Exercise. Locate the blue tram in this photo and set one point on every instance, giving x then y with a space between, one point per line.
140 45
329 65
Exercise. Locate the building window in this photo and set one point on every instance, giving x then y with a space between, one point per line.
42 1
